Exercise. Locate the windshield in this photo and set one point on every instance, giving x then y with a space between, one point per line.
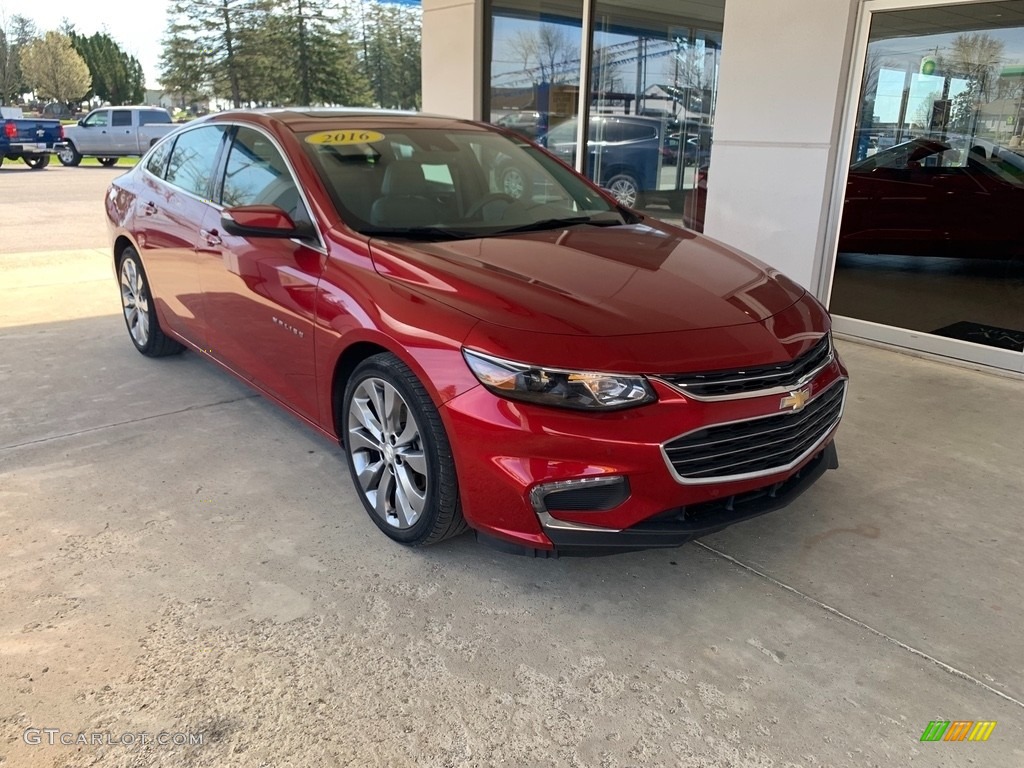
433 183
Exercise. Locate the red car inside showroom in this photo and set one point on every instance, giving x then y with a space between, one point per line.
554 371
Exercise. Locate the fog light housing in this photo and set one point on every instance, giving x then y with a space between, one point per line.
587 494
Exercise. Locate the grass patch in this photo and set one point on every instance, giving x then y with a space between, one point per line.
122 162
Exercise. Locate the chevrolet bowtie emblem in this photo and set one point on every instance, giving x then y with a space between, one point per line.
795 400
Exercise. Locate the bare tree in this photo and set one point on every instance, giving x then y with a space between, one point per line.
547 53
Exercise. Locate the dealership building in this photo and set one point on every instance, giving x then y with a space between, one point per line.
870 149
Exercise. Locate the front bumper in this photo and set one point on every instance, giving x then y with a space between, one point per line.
509 454
678 526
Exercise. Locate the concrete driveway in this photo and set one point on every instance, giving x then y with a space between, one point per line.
183 562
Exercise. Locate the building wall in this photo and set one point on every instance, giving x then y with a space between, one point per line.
780 99
453 57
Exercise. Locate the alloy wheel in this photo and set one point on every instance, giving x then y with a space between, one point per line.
135 300
387 454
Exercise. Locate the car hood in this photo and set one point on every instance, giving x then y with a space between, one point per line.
592 281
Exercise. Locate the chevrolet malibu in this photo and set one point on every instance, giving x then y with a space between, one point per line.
554 371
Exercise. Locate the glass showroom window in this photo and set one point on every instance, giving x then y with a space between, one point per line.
653 80
653 83
535 65
932 237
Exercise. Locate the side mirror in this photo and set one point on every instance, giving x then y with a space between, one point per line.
81 121
262 221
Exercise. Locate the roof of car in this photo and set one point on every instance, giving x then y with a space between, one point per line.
301 119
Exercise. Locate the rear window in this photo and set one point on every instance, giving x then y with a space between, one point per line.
153 117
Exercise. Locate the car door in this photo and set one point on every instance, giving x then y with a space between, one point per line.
259 292
121 133
92 134
171 208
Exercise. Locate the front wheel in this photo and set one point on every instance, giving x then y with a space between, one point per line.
139 313
398 454
68 155
37 162
625 189
107 162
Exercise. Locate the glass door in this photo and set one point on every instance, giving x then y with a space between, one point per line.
931 239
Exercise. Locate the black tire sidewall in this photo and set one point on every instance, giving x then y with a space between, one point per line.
132 254
76 158
388 368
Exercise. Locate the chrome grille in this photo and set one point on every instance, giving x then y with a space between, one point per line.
757 446
752 381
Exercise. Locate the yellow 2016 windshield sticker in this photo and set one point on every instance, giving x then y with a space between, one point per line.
357 136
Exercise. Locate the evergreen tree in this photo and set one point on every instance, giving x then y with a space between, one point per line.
117 78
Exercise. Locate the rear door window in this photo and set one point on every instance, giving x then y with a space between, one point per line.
121 118
192 161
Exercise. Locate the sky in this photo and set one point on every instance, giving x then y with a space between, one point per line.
136 26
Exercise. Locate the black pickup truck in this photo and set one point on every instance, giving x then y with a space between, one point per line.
28 138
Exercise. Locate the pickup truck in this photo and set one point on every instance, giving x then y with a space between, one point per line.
112 132
28 138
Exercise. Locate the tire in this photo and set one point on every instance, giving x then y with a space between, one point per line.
37 162
400 462
107 162
512 181
625 189
139 314
68 155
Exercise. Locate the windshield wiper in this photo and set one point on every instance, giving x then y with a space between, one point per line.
421 233
602 219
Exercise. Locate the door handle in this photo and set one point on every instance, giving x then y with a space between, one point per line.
149 209
212 238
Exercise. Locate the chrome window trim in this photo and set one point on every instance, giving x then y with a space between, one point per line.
777 390
841 381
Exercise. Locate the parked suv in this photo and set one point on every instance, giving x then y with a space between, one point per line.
626 152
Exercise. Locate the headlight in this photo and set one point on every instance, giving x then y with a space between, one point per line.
584 390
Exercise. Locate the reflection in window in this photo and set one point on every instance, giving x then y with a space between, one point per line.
535 65
192 159
931 237
653 79
156 162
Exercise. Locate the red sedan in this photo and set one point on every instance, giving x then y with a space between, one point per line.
554 371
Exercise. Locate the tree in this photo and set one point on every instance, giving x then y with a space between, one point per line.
116 77
54 70
202 37
14 36
972 56
547 52
392 44
323 61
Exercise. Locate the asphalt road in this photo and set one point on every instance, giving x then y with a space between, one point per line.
181 557
56 208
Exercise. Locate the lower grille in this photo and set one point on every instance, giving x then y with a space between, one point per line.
756 446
